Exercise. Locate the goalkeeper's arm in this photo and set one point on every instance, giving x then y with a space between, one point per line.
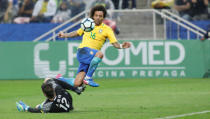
22 107
34 110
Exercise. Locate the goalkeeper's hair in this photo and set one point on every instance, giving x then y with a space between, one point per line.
47 89
98 8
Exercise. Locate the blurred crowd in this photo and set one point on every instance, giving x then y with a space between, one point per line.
193 9
55 11
187 9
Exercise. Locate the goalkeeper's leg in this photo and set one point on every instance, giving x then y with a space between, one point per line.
69 81
76 82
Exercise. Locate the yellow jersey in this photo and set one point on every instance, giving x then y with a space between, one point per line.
97 37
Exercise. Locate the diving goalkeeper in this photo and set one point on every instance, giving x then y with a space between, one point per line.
58 98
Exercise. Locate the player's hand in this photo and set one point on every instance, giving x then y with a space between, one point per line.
61 34
126 45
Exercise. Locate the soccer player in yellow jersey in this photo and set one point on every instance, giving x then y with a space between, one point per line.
89 54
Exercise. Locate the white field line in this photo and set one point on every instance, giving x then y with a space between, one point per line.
184 115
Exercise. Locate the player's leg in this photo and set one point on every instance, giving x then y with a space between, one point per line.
93 65
76 82
85 56
79 79
70 81
81 72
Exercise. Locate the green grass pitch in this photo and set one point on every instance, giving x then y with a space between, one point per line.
115 99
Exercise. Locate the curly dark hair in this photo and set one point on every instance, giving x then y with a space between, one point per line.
98 8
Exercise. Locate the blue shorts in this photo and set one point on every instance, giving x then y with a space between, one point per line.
85 56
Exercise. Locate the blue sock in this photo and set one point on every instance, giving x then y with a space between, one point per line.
93 65
70 81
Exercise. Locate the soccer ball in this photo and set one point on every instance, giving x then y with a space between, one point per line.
87 24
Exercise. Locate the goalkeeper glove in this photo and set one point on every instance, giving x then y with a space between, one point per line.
39 106
21 106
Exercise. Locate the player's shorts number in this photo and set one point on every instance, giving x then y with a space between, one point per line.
65 104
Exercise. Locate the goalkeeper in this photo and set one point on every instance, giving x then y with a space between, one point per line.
58 99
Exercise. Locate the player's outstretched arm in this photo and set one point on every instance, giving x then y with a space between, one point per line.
61 34
22 107
121 46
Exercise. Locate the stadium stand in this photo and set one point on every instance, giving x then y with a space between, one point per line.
141 24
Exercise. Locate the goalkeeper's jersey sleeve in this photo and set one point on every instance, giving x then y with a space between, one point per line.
34 110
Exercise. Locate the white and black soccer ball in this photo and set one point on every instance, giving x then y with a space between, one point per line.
87 24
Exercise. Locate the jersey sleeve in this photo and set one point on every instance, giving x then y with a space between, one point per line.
40 109
47 107
111 36
80 31
34 110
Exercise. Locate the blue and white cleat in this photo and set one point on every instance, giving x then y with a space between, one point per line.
90 82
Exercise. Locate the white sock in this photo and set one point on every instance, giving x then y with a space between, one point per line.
87 77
